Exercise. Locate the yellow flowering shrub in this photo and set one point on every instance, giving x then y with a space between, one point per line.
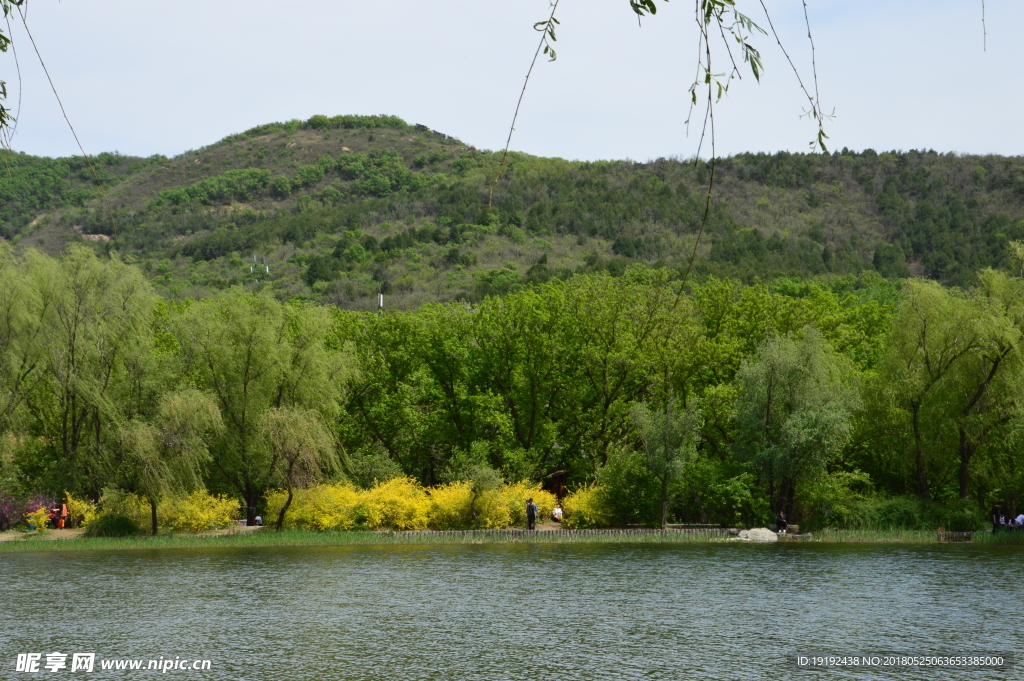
492 509
398 504
449 506
324 507
403 504
194 512
38 518
514 497
586 508
197 511
80 511
118 502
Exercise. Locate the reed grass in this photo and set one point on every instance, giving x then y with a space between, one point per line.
310 538
1011 537
893 536
295 537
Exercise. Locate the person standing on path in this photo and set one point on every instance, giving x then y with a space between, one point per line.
531 514
997 512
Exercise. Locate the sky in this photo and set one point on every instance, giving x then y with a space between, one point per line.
145 78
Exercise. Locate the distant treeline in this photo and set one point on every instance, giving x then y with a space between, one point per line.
863 402
320 122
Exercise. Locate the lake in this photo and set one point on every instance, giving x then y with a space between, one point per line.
552 612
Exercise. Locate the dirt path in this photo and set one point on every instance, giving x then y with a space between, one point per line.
57 535
549 526
234 529
50 535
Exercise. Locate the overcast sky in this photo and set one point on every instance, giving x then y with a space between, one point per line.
145 78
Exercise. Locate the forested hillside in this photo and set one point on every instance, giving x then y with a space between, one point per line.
339 209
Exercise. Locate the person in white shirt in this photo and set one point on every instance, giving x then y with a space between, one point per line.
1020 520
556 514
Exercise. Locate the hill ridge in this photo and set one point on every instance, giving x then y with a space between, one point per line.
344 207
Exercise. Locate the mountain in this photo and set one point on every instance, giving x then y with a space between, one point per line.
339 209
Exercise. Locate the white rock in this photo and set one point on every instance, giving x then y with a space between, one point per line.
760 534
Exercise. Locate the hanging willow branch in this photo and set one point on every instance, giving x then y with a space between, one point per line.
6 119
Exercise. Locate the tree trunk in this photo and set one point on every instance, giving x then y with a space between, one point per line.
664 501
779 501
251 501
284 509
967 450
790 500
152 514
920 465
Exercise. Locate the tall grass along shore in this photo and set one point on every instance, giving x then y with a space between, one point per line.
30 542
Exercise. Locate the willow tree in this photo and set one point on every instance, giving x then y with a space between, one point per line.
985 388
795 412
170 454
23 312
302 449
935 332
670 437
254 353
95 369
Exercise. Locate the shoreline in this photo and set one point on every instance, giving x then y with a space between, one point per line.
267 538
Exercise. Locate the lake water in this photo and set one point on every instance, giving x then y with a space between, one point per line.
534 612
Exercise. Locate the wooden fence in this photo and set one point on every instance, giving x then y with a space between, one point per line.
705 531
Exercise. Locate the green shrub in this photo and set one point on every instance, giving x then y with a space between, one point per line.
963 516
351 166
630 492
909 513
366 470
280 187
308 175
319 122
831 499
113 525
234 185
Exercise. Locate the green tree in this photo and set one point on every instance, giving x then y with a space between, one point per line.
482 479
96 371
936 330
794 416
23 314
985 387
670 436
254 353
170 454
302 449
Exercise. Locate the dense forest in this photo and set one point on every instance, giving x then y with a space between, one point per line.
337 210
846 401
